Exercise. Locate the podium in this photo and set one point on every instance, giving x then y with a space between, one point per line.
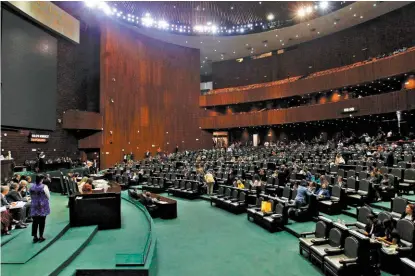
102 209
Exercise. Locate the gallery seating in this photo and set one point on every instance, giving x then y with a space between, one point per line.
321 232
273 220
320 248
398 206
353 259
187 189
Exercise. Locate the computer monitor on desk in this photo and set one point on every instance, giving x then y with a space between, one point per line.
102 209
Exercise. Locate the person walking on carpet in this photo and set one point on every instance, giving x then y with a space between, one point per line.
40 196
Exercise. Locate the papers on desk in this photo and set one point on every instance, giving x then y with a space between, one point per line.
162 202
19 204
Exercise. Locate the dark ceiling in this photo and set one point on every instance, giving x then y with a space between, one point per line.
218 12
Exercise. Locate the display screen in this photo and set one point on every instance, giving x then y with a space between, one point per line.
28 74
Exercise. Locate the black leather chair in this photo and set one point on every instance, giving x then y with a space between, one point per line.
353 259
321 232
252 210
305 213
408 267
398 206
364 194
277 218
319 249
351 185
408 183
239 206
362 214
334 205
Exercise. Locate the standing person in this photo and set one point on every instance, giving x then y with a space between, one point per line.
177 149
210 181
40 207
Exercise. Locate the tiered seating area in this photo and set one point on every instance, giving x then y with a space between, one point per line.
312 75
279 168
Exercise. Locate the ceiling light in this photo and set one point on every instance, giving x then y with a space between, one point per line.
301 12
324 5
270 17
163 24
309 9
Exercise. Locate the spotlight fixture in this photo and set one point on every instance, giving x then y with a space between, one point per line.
301 12
270 17
324 5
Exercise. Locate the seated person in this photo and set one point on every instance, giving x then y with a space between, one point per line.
18 214
239 184
6 222
47 180
390 237
257 184
323 193
339 160
16 178
302 192
375 176
23 189
82 183
90 182
311 187
373 227
340 182
87 188
409 213
14 196
384 186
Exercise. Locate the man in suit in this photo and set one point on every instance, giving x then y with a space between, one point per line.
18 214
148 154
14 196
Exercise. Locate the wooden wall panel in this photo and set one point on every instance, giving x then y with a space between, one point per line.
77 119
149 95
93 141
378 104
381 69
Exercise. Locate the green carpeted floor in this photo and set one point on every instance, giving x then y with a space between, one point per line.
206 240
101 250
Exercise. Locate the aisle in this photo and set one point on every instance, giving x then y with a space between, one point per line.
205 240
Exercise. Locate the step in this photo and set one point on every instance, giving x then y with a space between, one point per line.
54 259
14 233
21 250
296 228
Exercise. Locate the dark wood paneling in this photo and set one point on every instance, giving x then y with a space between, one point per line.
383 68
381 35
154 92
93 141
384 103
77 119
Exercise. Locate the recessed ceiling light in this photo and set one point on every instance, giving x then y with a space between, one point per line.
201 42
231 8
246 44
270 17
361 16
186 41
214 50
276 35
234 52
354 15
218 41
